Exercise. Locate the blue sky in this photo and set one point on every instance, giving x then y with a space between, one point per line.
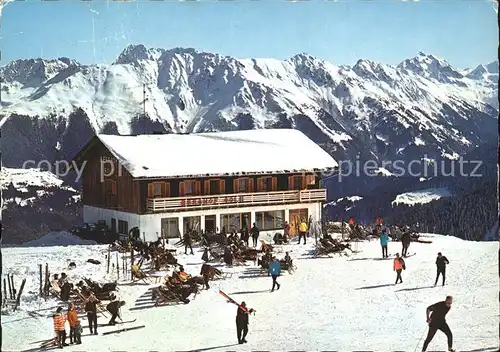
464 32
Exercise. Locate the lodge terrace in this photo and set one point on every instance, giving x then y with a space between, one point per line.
166 184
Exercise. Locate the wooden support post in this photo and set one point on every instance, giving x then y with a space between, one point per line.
109 258
14 291
124 264
131 263
10 286
4 289
41 278
47 281
18 299
117 266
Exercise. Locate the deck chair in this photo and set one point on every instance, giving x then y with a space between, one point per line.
165 297
139 275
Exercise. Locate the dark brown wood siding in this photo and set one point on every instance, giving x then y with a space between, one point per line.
94 193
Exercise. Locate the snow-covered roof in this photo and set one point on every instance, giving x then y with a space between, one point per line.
218 153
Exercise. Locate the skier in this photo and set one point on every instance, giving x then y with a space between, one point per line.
242 322
275 270
384 239
405 241
255 234
437 322
59 321
441 262
398 267
91 310
302 230
74 325
187 242
114 309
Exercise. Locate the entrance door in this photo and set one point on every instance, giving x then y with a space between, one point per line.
210 223
296 216
170 227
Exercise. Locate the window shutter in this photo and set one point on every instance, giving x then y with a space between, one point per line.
303 181
250 185
259 184
311 180
181 189
222 186
162 189
198 188
235 185
150 190
206 187
290 182
275 184
167 189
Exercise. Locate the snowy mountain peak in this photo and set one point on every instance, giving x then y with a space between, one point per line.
33 72
430 66
136 52
486 72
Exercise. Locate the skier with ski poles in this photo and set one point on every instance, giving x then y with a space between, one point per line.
441 262
437 321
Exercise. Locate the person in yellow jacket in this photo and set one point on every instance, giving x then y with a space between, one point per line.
302 230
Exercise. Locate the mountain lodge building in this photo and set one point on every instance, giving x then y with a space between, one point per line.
166 184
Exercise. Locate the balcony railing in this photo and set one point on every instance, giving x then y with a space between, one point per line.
236 200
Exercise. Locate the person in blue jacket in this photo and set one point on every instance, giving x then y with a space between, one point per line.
275 270
384 240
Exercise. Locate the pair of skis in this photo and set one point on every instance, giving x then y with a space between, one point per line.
230 300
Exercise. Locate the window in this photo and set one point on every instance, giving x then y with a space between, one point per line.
191 223
243 185
267 184
235 222
270 220
123 227
189 188
295 182
158 190
215 186
110 186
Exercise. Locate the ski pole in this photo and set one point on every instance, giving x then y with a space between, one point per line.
420 340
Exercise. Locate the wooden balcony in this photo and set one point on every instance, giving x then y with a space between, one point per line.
235 200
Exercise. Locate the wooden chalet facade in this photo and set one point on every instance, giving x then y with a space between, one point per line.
168 204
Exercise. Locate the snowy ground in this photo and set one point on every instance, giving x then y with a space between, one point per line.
341 303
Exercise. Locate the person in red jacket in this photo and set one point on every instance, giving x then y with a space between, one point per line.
74 325
398 266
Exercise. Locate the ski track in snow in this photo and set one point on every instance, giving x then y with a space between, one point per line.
343 303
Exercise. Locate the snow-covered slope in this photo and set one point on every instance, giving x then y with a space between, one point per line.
421 196
422 105
342 303
35 202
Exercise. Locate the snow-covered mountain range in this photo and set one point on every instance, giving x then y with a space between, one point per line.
421 109
421 106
